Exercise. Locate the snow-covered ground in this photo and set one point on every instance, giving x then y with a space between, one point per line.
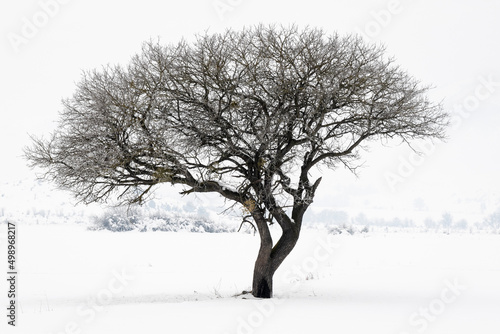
73 280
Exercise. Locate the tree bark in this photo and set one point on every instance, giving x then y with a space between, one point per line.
268 261
262 286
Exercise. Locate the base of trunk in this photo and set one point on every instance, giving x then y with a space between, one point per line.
263 288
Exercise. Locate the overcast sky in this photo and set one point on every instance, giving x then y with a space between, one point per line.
452 45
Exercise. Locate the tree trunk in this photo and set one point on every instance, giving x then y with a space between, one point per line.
262 286
268 261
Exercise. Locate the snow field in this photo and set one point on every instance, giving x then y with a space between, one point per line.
72 280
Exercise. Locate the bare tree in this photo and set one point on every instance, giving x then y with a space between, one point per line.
246 114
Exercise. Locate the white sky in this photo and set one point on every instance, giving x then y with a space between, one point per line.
453 45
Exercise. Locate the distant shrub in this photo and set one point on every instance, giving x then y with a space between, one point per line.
121 222
344 228
493 221
115 223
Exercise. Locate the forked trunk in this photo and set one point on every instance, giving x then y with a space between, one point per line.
268 261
